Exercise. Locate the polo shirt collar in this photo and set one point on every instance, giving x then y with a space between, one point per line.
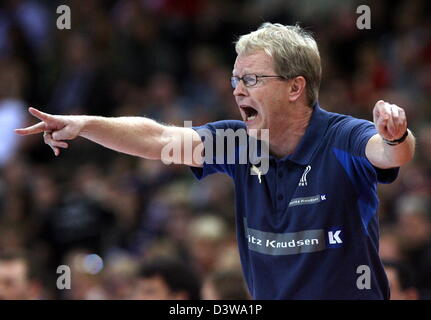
312 137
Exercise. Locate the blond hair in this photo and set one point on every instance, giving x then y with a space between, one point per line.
293 50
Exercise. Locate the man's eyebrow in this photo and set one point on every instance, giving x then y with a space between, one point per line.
245 71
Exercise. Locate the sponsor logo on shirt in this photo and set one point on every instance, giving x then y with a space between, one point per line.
305 241
335 238
307 200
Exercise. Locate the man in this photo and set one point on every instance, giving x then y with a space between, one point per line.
167 279
401 281
15 280
306 226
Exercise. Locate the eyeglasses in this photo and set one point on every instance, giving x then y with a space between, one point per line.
249 80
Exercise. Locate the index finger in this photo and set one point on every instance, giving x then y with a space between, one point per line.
40 115
37 128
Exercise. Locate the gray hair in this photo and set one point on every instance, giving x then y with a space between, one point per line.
293 50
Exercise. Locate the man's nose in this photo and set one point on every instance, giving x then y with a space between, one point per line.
241 89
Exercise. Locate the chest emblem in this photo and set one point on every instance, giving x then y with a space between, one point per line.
303 181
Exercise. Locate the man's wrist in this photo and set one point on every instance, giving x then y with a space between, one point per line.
85 123
397 141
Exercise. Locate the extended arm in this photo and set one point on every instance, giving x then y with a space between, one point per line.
136 136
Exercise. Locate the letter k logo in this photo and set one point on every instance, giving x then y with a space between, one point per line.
334 238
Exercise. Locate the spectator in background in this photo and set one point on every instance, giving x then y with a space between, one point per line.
16 278
86 281
32 18
163 101
78 222
119 275
225 285
207 235
167 279
415 228
77 78
401 281
389 245
12 110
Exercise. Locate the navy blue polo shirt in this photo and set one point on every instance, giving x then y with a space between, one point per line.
309 228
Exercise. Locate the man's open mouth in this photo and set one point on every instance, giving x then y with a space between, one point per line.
250 113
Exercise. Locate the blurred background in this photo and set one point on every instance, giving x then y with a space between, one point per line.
133 228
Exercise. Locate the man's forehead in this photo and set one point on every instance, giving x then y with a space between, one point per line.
254 62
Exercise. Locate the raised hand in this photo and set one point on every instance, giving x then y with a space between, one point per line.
55 129
390 120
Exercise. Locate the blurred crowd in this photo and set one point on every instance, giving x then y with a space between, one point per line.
130 228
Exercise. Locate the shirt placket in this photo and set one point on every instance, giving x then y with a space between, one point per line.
280 179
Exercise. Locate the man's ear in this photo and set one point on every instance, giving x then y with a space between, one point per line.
297 88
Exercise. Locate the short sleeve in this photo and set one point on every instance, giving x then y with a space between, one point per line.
221 154
358 132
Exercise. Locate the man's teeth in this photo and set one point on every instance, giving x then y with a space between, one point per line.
249 118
